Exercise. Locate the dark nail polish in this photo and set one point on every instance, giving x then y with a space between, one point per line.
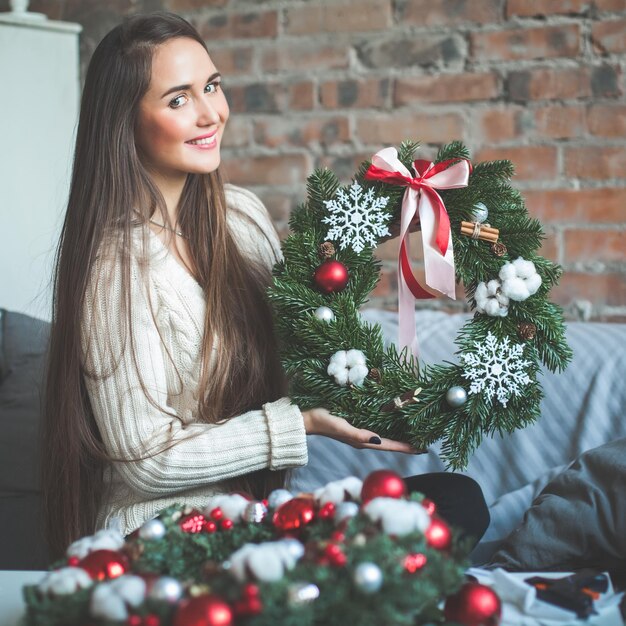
376 440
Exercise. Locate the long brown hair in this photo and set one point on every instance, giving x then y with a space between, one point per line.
108 181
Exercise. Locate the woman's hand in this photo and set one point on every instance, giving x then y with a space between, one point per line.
321 422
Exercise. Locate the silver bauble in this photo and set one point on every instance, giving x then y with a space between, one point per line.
301 593
166 589
324 313
368 577
480 212
456 397
254 513
278 497
345 510
152 530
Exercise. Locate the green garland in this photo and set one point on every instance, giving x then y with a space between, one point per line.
198 560
308 343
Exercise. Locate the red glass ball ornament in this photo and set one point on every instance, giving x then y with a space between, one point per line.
226 524
438 534
383 484
134 620
104 564
474 605
206 610
151 620
331 277
73 561
335 555
294 514
210 526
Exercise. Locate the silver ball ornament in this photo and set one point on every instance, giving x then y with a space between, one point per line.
278 497
166 589
324 313
456 397
345 510
254 513
152 530
301 593
368 577
480 212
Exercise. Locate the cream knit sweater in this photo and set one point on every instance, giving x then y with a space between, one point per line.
172 303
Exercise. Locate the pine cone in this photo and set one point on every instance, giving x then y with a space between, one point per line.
326 250
498 248
374 374
526 330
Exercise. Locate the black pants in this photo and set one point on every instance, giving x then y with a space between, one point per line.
458 498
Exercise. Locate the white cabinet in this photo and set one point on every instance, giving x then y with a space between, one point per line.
39 101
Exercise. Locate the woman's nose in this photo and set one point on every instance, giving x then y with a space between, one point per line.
207 113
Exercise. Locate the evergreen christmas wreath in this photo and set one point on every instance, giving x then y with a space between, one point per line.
364 552
337 361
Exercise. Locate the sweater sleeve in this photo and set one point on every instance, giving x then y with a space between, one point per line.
132 426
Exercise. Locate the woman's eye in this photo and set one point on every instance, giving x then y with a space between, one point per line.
211 88
177 102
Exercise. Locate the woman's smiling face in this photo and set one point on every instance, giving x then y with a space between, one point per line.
183 114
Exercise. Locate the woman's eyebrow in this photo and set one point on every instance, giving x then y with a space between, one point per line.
183 87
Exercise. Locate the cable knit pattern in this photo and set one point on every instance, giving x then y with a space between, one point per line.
167 312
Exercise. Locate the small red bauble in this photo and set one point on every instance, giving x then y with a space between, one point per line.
210 526
217 513
429 505
414 562
331 276
335 555
103 564
206 610
134 620
226 524
327 511
438 534
294 514
73 561
192 523
151 620
383 484
474 605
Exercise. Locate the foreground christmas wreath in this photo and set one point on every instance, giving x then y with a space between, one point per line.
363 552
337 361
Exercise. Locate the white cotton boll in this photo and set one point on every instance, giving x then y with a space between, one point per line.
110 600
398 517
340 374
106 539
340 358
516 289
65 581
354 358
266 561
232 505
523 268
238 561
336 490
492 307
358 374
493 287
490 299
507 271
533 283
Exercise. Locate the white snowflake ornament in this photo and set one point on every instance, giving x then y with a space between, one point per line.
357 219
496 369
348 367
490 299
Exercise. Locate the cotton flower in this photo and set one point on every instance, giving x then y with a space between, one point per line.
65 581
232 505
106 539
110 600
490 299
398 517
339 490
348 366
267 561
520 279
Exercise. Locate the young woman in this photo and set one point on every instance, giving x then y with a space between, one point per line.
163 381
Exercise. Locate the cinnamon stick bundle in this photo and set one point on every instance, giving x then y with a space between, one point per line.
476 230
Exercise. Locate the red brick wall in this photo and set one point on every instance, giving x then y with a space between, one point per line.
327 83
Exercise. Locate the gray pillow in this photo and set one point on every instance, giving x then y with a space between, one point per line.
577 521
